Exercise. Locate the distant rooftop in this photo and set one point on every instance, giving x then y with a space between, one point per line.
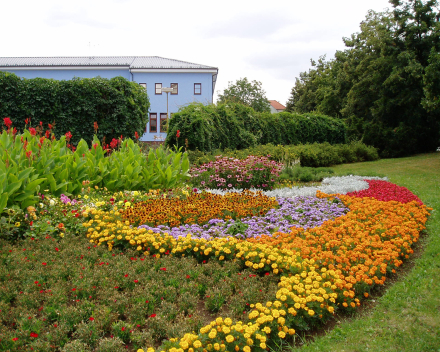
276 105
132 62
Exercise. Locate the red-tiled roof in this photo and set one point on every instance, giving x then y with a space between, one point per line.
277 105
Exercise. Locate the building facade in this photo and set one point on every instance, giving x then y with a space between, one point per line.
189 82
275 107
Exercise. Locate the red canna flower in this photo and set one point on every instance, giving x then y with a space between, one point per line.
50 126
114 143
7 122
136 135
178 134
95 126
47 134
33 131
68 135
41 123
14 131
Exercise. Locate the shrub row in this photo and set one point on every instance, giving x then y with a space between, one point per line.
120 107
237 126
312 155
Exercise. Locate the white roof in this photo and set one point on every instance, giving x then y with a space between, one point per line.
135 62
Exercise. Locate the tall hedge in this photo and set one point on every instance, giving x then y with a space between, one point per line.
120 107
236 126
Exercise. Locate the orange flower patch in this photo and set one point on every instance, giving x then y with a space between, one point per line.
362 246
199 208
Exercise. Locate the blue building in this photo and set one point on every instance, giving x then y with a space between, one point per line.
189 82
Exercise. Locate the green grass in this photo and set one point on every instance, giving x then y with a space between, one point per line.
407 316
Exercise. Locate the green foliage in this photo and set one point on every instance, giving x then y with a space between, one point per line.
385 85
312 155
305 174
120 107
247 93
236 126
28 162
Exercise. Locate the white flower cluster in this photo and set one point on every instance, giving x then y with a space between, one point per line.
329 185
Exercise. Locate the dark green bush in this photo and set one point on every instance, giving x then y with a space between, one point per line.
236 126
120 107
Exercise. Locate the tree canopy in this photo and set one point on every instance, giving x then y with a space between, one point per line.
386 84
246 93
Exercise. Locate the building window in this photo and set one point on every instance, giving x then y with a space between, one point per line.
163 122
197 88
158 88
175 87
143 85
153 123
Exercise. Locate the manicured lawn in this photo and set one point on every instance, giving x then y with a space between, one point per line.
407 316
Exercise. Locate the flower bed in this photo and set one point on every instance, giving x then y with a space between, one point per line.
324 268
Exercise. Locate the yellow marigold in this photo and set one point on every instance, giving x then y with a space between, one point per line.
230 338
282 334
197 344
246 349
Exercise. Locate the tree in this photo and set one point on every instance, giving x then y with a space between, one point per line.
385 84
246 93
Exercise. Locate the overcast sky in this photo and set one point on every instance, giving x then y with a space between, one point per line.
268 41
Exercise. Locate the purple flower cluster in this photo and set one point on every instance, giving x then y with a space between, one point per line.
228 173
305 212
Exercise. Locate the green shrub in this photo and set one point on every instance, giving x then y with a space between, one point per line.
120 107
305 174
236 126
312 155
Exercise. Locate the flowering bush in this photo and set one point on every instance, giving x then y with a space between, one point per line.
228 173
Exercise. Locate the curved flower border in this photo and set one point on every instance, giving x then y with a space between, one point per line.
322 269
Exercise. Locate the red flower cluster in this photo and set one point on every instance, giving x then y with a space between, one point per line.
7 122
386 191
